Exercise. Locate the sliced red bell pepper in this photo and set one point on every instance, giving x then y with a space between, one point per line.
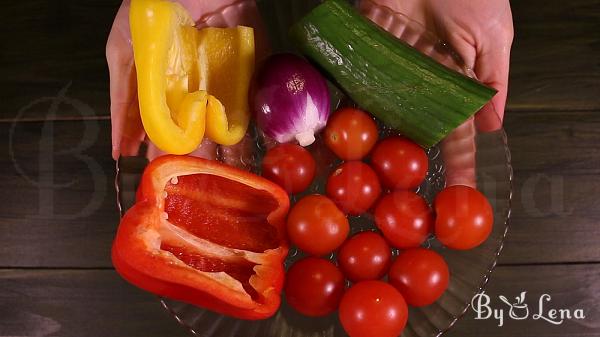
207 234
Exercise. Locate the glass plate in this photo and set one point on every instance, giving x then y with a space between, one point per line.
485 155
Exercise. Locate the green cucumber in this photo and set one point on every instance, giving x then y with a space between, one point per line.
399 85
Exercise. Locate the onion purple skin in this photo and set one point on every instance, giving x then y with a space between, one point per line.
290 99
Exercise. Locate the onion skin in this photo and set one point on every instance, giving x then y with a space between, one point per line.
290 99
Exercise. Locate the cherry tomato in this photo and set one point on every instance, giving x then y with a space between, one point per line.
464 217
373 308
405 219
365 256
354 187
316 225
421 275
351 133
290 166
399 162
314 286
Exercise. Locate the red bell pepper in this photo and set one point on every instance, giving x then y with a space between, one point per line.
208 234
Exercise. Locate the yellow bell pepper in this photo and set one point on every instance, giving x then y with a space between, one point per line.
228 54
177 64
163 37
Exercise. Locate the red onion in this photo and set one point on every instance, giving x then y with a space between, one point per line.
290 99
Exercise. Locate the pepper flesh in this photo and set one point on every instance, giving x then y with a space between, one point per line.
175 108
229 57
173 113
207 234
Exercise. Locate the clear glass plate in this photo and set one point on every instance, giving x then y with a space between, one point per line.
467 150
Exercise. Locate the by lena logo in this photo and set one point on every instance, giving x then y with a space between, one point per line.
519 310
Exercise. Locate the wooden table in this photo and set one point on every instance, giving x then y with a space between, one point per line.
57 209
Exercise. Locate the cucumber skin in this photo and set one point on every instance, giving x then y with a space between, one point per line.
399 85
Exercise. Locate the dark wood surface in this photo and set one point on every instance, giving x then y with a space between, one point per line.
96 302
48 44
554 63
57 209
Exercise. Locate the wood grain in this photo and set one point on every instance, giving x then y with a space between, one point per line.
78 303
560 142
570 286
98 303
47 45
554 63
556 163
57 208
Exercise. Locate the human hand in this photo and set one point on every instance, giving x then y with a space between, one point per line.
126 126
481 32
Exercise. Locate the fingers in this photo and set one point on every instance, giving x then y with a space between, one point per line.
133 133
206 150
200 8
153 152
490 63
458 148
240 155
119 56
415 10
491 68
458 153
212 14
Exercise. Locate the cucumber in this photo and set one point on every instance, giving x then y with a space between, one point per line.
399 85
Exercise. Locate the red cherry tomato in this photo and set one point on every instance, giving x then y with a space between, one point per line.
373 308
316 225
404 218
351 133
365 256
354 187
399 162
464 217
314 286
290 166
421 275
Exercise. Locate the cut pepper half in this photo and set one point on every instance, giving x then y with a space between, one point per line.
207 234
173 111
172 57
228 54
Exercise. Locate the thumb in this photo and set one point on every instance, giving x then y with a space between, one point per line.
458 151
490 62
491 67
119 56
